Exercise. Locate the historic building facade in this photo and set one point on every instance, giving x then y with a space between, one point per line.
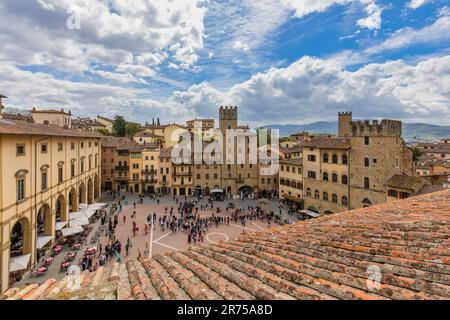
46 171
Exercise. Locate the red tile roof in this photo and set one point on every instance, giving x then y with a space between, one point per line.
17 127
325 258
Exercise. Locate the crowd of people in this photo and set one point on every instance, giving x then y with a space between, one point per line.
184 217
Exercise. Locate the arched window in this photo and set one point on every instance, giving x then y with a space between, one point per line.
308 192
334 177
366 203
344 159
344 201
325 176
366 183
325 157
335 199
335 158
325 196
344 179
317 194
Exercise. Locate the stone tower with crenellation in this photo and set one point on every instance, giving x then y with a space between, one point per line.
236 178
377 152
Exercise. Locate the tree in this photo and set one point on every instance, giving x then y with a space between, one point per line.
416 153
104 132
131 129
158 122
119 126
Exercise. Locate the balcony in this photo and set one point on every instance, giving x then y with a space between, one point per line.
127 168
182 174
151 181
149 171
121 178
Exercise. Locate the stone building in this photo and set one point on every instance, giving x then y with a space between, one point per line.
115 163
237 178
326 174
52 117
291 181
150 166
46 171
165 172
377 153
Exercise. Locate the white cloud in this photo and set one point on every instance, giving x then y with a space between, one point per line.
112 32
414 4
305 7
310 89
238 45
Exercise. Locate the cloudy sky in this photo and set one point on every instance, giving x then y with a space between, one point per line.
280 61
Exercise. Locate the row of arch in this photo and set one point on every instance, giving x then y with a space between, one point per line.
334 158
334 178
325 197
22 232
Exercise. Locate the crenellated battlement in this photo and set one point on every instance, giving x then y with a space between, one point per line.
228 112
376 128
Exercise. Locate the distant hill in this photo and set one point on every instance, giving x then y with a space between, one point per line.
411 131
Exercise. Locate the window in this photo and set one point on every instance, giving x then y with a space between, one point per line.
344 159
366 183
44 180
82 145
325 196
90 144
311 157
311 174
366 162
344 201
72 169
198 176
60 174
344 179
335 158
316 194
20 150
308 192
366 141
325 176
90 163
43 148
60 146
325 157
72 145
392 193
82 166
334 178
334 198
20 189
216 176
207 176
397 162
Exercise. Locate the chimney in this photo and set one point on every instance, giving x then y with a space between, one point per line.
1 104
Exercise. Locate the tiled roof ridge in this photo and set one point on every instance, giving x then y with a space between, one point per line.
324 258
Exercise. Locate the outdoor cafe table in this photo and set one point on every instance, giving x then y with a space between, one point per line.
65 265
77 246
48 261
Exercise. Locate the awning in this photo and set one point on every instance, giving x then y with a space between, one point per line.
71 231
310 213
79 222
292 198
42 241
19 263
89 212
77 215
60 225
217 191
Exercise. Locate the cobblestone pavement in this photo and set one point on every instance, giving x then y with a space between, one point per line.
163 241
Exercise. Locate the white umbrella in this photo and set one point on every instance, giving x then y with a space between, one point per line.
79 222
42 241
60 225
71 231
19 263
